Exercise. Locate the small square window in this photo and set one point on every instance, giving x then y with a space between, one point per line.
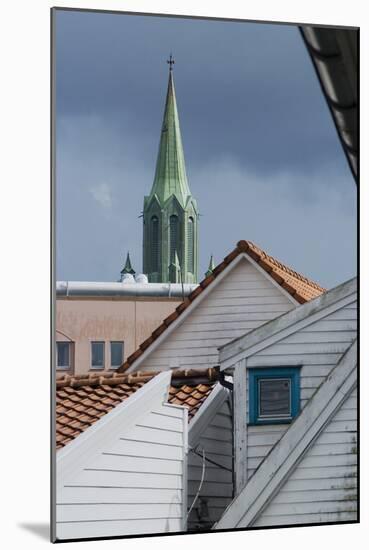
116 354
274 395
97 355
63 355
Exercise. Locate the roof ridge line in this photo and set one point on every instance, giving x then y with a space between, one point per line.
260 257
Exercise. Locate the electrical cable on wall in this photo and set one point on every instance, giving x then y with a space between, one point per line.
201 482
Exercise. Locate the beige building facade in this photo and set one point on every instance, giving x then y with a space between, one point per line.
98 325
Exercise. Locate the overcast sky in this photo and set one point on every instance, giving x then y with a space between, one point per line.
262 155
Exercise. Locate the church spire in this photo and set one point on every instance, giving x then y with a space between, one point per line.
127 267
211 267
170 175
170 213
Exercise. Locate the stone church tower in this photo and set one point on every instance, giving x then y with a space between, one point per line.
170 214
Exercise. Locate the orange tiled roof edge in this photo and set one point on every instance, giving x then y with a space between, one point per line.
298 286
116 378
82 400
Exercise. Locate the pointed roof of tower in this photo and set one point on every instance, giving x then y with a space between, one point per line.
170 175
211 267
128 266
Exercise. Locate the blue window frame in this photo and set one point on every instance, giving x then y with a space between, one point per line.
274 395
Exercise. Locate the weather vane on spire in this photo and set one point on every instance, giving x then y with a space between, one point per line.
171 62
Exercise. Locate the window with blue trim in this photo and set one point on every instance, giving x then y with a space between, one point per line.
274 395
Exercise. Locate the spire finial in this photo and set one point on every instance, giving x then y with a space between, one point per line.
171 62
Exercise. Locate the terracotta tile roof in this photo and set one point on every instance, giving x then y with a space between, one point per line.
82 400
298 286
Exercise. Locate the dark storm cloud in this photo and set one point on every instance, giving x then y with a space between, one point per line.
259 142
244 88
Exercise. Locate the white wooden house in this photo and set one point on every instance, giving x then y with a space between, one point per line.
103 472
124 445
245 291
126 474
295 408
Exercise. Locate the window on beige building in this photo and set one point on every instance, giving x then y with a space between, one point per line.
63 355
97 355
116 354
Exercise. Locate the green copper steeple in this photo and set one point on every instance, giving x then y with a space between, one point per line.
127 267
211 267
170 214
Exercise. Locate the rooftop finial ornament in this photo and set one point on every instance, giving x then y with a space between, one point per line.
171 62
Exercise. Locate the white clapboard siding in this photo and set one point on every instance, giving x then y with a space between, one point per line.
308 451
241 301
317 348
127 477
333 494
217 489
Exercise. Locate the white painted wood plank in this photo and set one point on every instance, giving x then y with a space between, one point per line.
218 434
145 449
121 463
136 495
260 316
156 436
312 337
245 290
121 527
293 509
240 442
162 422
342 426
260 308
241 301
184 347
346 414
331 325
302 350
111 512
189 352
344 314
286 360
322 484
328 495
343 471
222 421
328 461
333 517
168 410
125 479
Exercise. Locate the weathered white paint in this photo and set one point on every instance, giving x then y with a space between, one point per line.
295 456
211 431
336 498
315 341
240 443
126 474
316 350
279 328
241 298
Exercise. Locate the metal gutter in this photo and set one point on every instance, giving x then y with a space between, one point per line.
80 288
334 54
